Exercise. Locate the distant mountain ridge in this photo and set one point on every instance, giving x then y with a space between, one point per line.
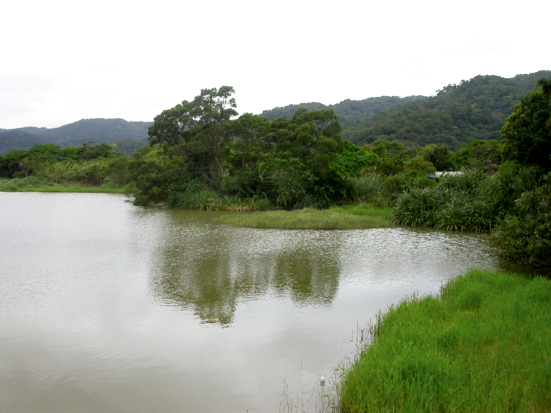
458 114
128 136
14 140
349 112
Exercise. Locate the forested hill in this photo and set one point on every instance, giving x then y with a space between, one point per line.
14 140
128 136
349 112
458 114
474 109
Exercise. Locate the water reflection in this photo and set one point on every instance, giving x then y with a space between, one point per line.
211 268
110 307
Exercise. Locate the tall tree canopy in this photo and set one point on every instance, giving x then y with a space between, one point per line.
527 132
197 128
290 163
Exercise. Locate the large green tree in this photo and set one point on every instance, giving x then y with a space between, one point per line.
527 132
439 156
197 129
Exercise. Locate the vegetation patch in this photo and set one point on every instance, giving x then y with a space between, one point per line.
356 216
483 345
34 184
472 201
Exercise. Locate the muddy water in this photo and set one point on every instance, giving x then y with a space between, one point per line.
105 306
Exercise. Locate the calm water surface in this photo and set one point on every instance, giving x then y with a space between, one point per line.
105 306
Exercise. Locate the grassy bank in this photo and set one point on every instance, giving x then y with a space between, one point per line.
34 184
355 216
483 346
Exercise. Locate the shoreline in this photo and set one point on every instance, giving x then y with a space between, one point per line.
482 344
33 184
345 217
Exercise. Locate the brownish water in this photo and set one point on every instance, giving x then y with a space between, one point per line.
105 306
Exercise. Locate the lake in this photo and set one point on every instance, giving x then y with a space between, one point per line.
105 306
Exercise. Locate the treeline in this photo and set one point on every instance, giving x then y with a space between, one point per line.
200 158
349 112
89 164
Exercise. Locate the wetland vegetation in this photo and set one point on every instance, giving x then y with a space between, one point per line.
34 184
344 217
482 345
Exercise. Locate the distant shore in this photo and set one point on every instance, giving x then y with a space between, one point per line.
33 184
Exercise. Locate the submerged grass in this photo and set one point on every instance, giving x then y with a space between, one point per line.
355 216
484 345
34 184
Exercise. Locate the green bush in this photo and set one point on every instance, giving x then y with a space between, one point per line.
471 201
151 172
84 172
420 165
525 235
367 186
416 207
393 185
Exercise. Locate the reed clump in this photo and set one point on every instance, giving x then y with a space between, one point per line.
90 172
483 345
201 197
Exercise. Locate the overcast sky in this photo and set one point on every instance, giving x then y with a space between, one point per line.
62 61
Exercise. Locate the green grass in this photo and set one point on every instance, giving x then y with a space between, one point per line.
356 216
33 184
484 345
69 188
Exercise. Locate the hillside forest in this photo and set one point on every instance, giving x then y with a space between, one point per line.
456 115
202 155
126 136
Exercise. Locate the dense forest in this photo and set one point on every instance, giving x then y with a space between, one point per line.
457 115
349 112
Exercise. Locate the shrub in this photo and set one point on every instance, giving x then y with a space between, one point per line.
525 236
367 186
393 185
472 201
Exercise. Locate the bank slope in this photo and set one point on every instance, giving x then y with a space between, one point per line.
483 346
